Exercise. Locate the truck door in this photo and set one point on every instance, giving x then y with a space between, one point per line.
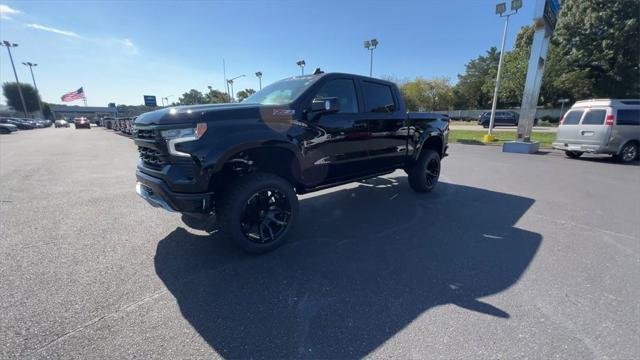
388 126
337 146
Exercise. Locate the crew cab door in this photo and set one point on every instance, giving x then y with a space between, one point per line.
388 126
335 144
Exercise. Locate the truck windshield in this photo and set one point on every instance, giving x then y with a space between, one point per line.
281 92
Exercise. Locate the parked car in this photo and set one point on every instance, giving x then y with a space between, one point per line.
246 162
19 123
601 126
7 128
502 118
61 123
82 123
107 122
42 123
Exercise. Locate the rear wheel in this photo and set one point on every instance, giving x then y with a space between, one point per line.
424 174
573 154
258 212
628 153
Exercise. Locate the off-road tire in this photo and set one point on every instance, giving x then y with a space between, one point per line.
231 205
573 154
422 177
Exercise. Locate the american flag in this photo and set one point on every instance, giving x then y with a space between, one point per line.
74 95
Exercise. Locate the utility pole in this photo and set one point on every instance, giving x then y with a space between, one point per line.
31 65
500 10
371 45
230 82
9 45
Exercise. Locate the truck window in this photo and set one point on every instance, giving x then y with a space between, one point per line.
379 98
628 117
594 117
344 90
572 117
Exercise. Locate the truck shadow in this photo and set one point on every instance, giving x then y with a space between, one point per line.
362 265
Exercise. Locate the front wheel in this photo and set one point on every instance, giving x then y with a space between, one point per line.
424 174
573 154
258 212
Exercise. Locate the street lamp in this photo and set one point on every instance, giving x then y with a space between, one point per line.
301 63
31 66
230 82
9 45
259 75
501 10
371 45
562 102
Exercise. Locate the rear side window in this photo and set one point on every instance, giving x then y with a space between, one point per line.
345 91
594 117
628 117
379 98
572 117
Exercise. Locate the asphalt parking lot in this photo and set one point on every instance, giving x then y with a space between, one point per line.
512 256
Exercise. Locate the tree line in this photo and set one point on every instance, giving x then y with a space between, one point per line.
594 53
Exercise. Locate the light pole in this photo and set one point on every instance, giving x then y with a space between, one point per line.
501 10
371 45
562 102
301 63
9 45
259 75
230 82
31 65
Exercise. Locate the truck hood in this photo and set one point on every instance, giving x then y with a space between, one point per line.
190 114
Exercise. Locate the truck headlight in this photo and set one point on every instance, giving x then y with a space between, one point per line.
175 136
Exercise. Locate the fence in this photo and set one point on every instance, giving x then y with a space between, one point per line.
474 114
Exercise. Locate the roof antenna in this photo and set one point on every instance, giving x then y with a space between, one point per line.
317 71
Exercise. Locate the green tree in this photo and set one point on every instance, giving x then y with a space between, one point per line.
216 97
31 96
599 43
191 98
428 94
514 69
475 87
243 94
46 111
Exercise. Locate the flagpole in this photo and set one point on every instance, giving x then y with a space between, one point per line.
84 96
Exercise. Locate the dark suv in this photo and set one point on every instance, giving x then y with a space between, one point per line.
246 162
504 118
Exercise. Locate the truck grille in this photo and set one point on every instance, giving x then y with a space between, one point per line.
145 134
151 158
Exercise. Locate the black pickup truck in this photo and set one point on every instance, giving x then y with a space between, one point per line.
245 162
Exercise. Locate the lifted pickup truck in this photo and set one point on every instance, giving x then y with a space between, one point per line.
244 163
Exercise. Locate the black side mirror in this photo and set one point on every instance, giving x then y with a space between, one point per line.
325 105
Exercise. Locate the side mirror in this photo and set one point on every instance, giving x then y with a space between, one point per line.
325 105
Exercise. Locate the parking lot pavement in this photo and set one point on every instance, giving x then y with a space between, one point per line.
512 256
473 126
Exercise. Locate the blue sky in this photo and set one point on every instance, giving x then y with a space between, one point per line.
121 50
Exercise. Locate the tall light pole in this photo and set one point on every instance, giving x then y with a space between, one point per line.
302 64
9 45
501 10
230 82
31 65
562 102
259 75
371 45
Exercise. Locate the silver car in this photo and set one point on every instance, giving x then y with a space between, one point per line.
601 126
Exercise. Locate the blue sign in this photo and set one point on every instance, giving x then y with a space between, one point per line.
150 100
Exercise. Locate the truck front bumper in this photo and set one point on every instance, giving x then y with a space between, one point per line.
157 194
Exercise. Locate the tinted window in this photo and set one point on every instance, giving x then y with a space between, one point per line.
572 117
345 91
594 117
281 92
628 117
379 98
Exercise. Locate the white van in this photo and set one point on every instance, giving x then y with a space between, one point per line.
601 126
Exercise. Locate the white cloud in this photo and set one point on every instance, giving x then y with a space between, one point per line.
129 47
53 30
5 11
